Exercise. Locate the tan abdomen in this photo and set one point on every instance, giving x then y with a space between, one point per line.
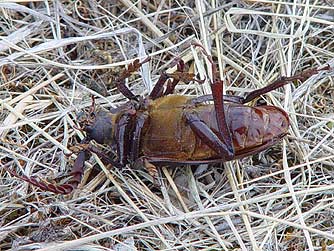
165 133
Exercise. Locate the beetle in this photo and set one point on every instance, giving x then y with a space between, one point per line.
165 128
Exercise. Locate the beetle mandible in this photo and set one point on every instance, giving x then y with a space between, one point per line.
165 128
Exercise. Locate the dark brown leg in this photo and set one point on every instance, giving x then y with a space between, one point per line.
120 82
218 99
226 152
281 82
257 93
178 76
105 158
172 84
78 169
123 126
158 88
135 144
76 173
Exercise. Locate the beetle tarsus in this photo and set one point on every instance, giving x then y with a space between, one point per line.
152 170
120 82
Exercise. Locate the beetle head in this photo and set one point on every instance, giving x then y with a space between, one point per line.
97 125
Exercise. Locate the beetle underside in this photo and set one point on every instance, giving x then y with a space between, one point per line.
165 128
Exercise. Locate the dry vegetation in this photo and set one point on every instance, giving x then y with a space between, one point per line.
55 54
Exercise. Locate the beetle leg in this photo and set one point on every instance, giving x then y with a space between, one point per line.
204 132
120 82
152 170
172 84
218 100
178 76
123 126
158 88
76 173
256 93
103 156
302 76
136 138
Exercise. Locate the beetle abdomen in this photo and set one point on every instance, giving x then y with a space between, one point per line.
251 128
167 134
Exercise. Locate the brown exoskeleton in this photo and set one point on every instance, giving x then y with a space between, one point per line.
168 128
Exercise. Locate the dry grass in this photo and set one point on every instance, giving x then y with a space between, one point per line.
55 54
